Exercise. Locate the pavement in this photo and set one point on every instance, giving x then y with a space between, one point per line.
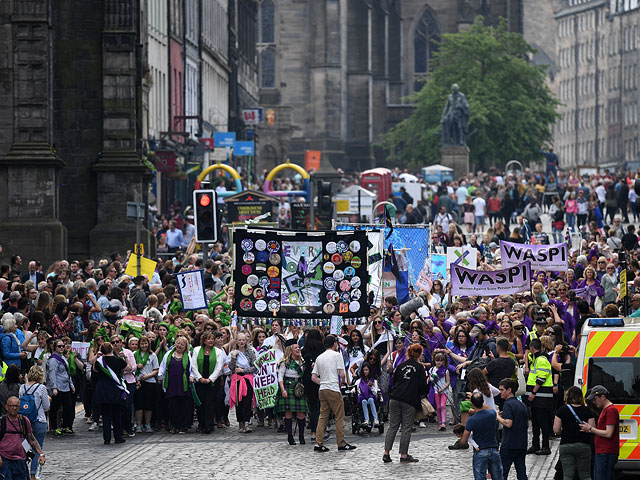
264 453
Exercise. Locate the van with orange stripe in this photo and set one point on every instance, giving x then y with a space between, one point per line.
609 355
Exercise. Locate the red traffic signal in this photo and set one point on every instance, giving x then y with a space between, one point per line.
205 200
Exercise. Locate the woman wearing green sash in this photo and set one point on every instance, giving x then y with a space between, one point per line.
206 367
146 371
175 372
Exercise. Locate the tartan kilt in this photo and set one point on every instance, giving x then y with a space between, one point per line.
291 403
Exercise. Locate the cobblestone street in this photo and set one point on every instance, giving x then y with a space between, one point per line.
228 454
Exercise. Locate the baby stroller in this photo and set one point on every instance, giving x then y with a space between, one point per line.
357 416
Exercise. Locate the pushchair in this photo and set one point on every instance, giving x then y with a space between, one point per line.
350 396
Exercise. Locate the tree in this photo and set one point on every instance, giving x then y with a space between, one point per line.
512 109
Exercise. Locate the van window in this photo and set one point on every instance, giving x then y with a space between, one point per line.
621 376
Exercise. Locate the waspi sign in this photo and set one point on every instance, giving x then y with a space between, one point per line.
542 257
490 283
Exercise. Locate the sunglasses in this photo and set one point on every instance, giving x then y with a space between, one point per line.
59 346
377 323
553 293
517 310
518 328
116 341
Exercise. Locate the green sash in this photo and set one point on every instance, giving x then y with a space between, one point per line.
212 362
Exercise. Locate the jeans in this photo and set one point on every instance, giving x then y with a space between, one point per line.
517 457
603 466
576 456
487 459
366 404
400 413
14 469
571 221
39 431
330 401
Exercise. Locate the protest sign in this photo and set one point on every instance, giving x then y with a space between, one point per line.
466 257
81 349
265 381
191 288
542 257
439 268
147 267
498 282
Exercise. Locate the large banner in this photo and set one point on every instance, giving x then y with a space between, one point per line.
283 274
265 381
491 283
552 258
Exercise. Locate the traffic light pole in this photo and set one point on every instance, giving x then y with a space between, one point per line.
312 209
138 247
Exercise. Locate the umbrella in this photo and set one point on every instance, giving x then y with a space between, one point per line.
407 177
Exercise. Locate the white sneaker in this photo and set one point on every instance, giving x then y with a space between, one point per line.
422 425
93 427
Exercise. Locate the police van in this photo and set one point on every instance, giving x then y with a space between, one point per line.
609 355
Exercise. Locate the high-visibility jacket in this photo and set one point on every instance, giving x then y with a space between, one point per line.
542 375
3 372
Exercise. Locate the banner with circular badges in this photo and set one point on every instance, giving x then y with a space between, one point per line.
284 274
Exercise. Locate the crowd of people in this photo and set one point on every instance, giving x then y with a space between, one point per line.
457 367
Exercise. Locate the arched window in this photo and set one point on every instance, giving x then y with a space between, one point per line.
268 68
424 46
267 22
266 44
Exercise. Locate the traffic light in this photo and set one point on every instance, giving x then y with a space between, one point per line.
324 196
204 215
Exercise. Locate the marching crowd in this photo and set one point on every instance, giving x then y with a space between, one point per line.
462 366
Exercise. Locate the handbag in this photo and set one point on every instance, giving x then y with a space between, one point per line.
298 390
426 409
522 383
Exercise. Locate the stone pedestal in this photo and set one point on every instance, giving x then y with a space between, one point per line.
456 157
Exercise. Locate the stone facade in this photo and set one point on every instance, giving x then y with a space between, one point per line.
597 82
70 130
334 74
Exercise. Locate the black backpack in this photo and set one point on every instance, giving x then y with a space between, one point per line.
3 427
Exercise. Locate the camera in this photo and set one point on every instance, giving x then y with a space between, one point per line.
565 350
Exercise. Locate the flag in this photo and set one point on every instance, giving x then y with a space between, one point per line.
392 262
387 222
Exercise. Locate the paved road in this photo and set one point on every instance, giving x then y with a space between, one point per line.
227 453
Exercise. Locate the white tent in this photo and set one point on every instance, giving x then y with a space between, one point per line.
436 168
437 173
347 201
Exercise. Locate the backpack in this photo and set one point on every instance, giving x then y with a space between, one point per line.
28 406
3 427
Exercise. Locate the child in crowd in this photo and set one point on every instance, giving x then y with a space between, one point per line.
440 381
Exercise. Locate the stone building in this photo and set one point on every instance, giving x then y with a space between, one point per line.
597 81
334 74
70 135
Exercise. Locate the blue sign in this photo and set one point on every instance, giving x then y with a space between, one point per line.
224 139
244 149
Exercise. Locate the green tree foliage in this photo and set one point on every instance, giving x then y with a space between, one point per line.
512 109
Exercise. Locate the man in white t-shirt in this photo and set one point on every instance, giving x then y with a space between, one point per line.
481 211
329 373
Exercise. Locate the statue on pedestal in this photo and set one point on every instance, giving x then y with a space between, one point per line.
455 118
